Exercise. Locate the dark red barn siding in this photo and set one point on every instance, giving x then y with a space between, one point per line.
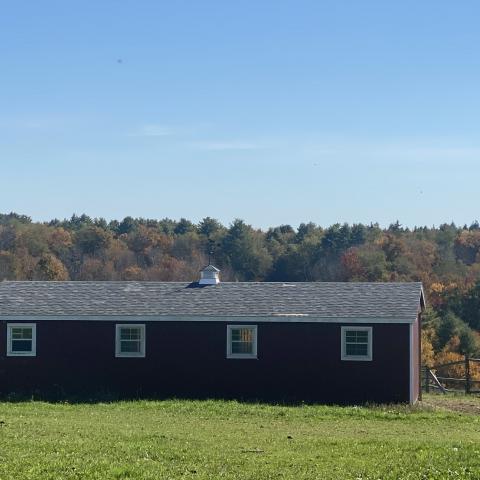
416 359
296 361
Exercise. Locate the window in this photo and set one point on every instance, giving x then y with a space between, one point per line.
241 341
130 340
357 343
21 340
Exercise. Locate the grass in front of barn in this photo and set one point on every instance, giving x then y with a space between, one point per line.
219 439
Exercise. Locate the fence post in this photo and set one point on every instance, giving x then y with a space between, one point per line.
467 374
427 379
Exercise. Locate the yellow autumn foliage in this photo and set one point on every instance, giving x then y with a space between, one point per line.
428 354
437 287
458 370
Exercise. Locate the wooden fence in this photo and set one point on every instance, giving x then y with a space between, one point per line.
440 377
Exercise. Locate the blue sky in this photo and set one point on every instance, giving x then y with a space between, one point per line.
271 111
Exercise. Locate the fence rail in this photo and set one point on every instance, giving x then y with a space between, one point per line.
435 377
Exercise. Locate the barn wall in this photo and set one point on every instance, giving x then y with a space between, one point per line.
296 361
415 359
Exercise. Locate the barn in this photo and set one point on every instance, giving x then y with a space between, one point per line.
315 341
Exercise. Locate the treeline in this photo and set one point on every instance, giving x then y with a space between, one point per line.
445 258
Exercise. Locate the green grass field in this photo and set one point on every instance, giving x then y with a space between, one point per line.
217 439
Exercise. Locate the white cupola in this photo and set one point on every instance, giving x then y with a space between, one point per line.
209 275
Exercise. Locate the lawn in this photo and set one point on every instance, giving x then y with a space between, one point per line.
231 440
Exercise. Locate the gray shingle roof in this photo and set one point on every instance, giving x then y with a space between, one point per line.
316 299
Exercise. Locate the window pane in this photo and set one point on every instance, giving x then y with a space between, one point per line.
21 345
357 343
242 340
356 336
247 335
242 347
22 333
130 346
130 333
362 337
242 334
360 349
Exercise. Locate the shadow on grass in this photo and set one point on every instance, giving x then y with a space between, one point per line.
58 395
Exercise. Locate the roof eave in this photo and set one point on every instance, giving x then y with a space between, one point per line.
211 318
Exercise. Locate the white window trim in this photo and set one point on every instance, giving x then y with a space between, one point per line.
120 354
33 352
357 358
240 356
